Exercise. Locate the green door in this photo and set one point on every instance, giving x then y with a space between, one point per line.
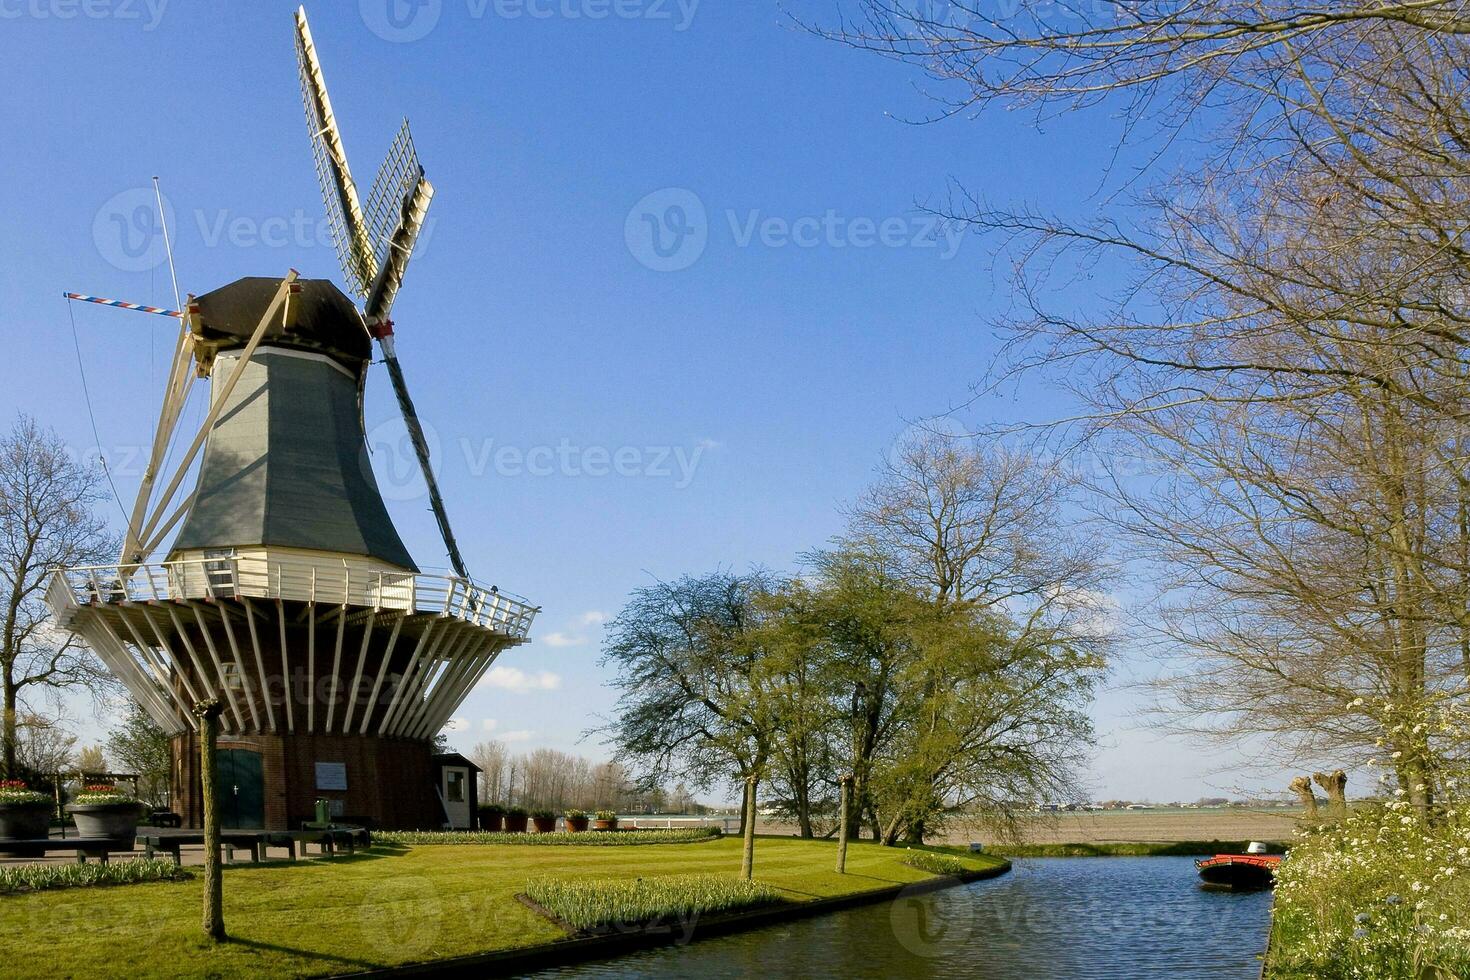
241 790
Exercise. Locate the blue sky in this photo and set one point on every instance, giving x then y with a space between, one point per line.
675 302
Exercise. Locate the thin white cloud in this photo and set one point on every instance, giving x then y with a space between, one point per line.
519 735
521 682
456 725
563 640
592 617
489 724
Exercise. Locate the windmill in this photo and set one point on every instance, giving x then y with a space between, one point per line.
286 592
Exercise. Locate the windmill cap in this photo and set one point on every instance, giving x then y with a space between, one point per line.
320 317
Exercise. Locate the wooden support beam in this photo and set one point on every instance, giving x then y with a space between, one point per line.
219 665
111 652
152 544
401 691
178 710
467 659
176 662
413 697
209 684
163 671
398 689
367 633
367 713
286 667
311 658
224 618
162 436
265 683
418 701
493 648
336 670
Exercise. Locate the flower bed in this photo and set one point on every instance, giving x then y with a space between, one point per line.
16 792
1380 895
935 864
46 877
590 906
591 838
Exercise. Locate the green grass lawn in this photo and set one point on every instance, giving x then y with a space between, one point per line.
387 907
1183 848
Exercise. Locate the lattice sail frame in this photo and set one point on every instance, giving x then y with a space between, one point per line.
365 235
339 191
397 177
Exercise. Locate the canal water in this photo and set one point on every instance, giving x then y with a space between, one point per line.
1048 918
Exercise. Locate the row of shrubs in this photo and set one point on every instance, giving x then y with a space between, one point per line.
620 904
935 864
587 839
45 877
494 817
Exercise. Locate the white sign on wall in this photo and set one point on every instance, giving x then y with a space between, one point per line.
331 775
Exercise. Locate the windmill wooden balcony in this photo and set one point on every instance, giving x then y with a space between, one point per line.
292 643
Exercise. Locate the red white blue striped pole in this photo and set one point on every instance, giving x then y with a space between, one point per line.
122 305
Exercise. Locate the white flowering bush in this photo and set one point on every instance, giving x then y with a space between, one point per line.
1385 893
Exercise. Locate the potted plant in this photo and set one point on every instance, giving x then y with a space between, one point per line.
515 820
606 820
24 813
576 821
492 816
545 821
105 811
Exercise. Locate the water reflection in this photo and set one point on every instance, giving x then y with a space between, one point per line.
1049 918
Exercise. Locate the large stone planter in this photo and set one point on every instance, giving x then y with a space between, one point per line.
25 821
116 821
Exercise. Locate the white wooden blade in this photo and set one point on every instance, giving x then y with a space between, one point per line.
344 211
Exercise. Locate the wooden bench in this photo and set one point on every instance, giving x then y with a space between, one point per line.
256 844
259 843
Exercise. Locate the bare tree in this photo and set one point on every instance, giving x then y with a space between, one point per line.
491 757
1287 352
43 746
45 521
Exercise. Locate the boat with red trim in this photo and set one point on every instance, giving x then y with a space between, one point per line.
1251 871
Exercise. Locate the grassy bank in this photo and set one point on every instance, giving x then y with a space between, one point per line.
391 906
586 838
1188 848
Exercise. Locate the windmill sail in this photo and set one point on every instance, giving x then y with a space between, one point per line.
374 243
396 208
339 193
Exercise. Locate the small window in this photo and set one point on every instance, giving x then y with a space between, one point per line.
454 785
220 571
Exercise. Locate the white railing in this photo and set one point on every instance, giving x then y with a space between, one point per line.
296 579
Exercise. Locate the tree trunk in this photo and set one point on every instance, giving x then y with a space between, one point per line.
802 797
1335 786
844 806
1302 787
214 915
7 729
747 858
